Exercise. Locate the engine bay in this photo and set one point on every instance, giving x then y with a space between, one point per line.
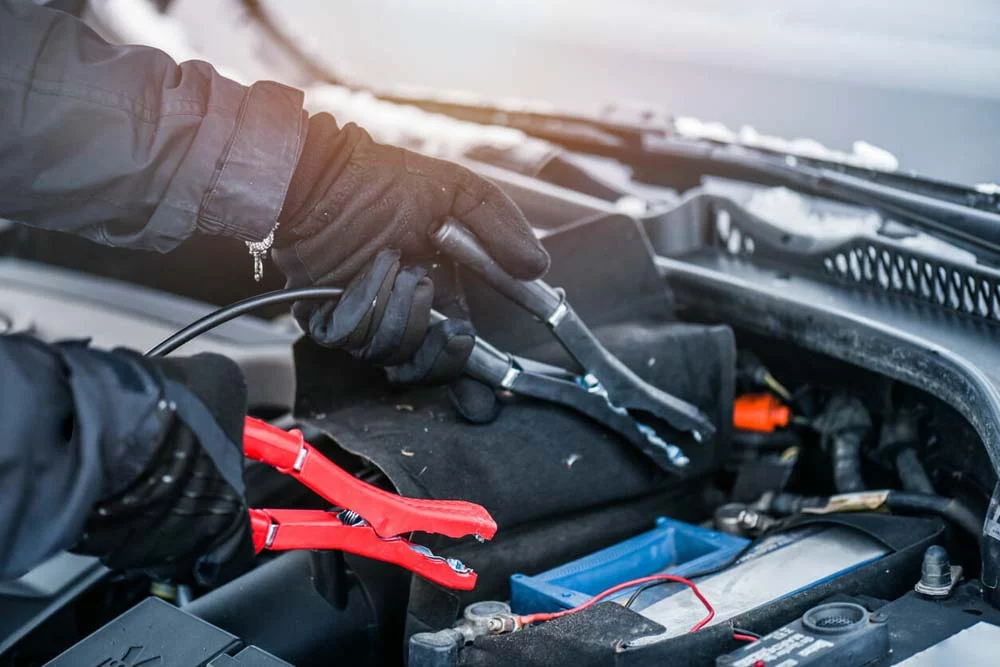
809 303
836 515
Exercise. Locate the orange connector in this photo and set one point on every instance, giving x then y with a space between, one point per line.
760 412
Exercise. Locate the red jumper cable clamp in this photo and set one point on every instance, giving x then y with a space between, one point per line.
370 522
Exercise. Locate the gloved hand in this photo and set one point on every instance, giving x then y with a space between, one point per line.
355 208
180 519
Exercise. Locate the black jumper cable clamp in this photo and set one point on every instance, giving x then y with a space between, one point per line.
604 389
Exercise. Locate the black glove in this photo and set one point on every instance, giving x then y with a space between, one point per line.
180 519
473 400
349 200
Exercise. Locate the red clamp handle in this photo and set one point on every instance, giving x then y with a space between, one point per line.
388 514
283 530
378 517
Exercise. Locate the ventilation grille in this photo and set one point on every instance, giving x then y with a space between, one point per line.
890 269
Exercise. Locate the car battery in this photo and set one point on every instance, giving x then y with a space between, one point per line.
672 546
157 634
779 566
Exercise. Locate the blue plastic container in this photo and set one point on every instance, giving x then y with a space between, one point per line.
672 547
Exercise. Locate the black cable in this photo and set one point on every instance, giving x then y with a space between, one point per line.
846 454
232 311
947 508
744 631
912 473
642 589
898 501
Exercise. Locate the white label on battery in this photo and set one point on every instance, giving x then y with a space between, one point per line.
783 644
817 645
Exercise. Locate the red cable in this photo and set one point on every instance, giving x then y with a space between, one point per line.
528 619
744 638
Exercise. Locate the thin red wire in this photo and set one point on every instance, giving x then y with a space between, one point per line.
528 619
744 638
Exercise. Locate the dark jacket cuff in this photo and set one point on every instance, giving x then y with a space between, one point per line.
253 174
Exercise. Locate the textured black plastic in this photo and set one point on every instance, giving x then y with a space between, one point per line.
155 633
251 656
279 607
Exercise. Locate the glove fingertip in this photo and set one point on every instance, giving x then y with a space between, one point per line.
474 401
531 264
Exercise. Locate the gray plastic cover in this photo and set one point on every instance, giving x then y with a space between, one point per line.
54 304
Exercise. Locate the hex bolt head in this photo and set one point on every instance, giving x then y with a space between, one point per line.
936 568
937 576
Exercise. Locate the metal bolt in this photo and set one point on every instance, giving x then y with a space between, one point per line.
878 617
502 624
937 576
936 568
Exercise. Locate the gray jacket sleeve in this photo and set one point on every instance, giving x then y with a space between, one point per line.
125 147
79 425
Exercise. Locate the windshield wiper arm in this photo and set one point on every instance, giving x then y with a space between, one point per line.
931 206
971 228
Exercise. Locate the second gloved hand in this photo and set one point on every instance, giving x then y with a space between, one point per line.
183 518
359 213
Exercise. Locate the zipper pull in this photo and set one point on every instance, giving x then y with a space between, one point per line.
258 250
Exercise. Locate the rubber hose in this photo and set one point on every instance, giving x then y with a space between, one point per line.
786 504
912 473
844 423
847 462
948 508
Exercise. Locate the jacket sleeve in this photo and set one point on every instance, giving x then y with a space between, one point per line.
125 147
79 425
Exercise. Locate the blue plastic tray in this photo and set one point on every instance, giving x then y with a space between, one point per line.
672 547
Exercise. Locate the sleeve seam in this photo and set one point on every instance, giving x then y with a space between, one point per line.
150 116
221 171
88 197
